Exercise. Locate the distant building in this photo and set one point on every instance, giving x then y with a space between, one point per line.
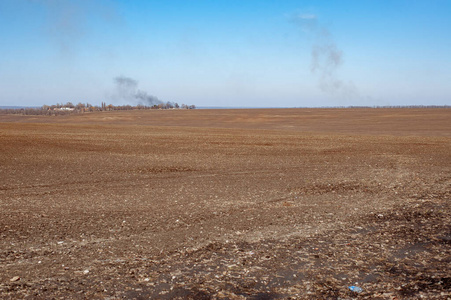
64 108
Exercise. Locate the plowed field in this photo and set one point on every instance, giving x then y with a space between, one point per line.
226 204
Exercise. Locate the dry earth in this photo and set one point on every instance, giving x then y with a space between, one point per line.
226 204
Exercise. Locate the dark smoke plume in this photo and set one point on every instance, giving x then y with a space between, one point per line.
127 89
326 57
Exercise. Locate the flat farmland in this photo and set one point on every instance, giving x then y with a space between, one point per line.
226 204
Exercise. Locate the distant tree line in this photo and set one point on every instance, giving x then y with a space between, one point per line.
70 108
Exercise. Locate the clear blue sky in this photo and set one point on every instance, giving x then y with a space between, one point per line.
227 53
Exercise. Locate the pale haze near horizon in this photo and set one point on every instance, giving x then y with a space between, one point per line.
227 53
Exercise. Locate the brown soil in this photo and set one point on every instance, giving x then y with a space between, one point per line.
226 204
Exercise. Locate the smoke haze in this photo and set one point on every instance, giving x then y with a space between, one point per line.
67 21
326 57
127 89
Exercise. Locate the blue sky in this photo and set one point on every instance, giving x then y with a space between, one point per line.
227 53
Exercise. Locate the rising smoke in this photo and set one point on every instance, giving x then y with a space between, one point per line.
326 57
127 89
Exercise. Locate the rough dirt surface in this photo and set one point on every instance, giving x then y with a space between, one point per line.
227 204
